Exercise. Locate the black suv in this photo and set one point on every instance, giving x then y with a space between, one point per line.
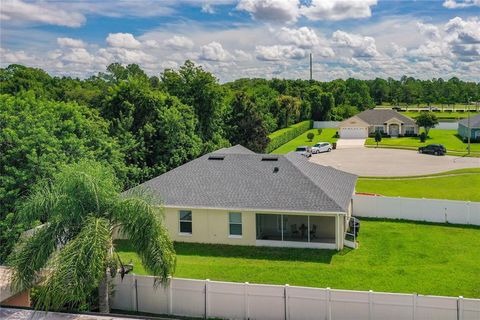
436 149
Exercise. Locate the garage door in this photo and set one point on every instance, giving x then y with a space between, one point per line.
353 133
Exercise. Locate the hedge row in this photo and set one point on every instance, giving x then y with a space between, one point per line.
282 136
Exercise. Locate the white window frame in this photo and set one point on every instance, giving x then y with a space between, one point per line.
235 236
188 234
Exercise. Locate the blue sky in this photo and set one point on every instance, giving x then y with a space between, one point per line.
247 38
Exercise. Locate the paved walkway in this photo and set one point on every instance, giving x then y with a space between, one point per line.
391 162
350 143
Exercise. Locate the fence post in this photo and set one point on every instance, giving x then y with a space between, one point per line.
170 295
133 292
414 309
245 297
370 305
207 299
286 301
460 308
329 304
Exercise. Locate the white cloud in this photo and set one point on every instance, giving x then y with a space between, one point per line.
454 4
78 55
179 42
465 31
428 30
279 52
70 42
151 43
208 8
361 46
271 10
123 40
8 56
338 9
302 37
18 10
214 51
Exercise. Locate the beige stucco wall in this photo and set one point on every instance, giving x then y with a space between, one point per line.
212 226
353 122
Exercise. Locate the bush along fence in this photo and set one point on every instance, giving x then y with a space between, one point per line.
228 300
430 210
282 136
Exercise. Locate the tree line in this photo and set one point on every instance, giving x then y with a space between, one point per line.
142 126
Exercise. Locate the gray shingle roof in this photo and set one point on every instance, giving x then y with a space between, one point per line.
237 149
474 122
379 116
243 181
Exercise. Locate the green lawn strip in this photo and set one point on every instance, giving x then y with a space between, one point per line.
442 115
328 135
445 173
449 153
461 187
446 137
393 256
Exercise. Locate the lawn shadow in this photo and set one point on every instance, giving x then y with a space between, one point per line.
258 253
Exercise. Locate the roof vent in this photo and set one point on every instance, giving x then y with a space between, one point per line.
275 170
270 159
216 157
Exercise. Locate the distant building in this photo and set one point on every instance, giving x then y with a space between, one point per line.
474 128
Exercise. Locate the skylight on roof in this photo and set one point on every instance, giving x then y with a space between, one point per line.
216 157
270 159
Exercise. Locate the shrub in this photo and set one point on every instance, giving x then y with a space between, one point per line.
282 136
310 136
319 131
423 137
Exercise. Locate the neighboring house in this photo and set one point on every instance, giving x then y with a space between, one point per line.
235 196
9 297
474 128
387 121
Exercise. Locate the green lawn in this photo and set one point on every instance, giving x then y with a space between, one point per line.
448 138
441 115
393 257
464 186
328 135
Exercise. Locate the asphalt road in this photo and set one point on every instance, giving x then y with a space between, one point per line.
391 162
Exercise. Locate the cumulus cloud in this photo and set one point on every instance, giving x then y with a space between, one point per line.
70 42
465 31
360 46
302 37
428 30
208 8
338 9
179 42
18 10
271 10
279 52
123 40
214 52
454 4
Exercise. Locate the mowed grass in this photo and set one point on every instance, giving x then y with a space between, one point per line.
393 256
464 186
448 138
328 135
441 115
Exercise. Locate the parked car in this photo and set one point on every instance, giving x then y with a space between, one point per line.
322 147
304 151
436 149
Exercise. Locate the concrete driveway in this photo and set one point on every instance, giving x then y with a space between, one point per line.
350 143
391 162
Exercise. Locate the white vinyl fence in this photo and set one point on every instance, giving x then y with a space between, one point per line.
326 124
431 210
228 300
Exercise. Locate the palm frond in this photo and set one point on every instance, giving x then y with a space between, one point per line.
141 222
78 267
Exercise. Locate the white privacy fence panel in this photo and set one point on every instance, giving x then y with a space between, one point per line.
432 210
227 300
326 124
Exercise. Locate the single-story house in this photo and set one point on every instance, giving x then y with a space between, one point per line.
387 121
8 296
238 197
474 128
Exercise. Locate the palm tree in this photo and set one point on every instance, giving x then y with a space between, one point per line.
73 251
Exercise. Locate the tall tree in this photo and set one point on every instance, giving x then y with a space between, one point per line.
73 249
427 120
288 106
246 126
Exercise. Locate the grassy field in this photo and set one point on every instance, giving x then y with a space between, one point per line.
442 115
454 185
393 256
328 135
448 138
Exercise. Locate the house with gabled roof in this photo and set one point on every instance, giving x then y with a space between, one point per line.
386 121
235 196
470 127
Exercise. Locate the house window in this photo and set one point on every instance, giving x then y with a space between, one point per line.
235 223
185 222
379 129
409 130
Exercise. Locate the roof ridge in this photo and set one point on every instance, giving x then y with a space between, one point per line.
309 178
